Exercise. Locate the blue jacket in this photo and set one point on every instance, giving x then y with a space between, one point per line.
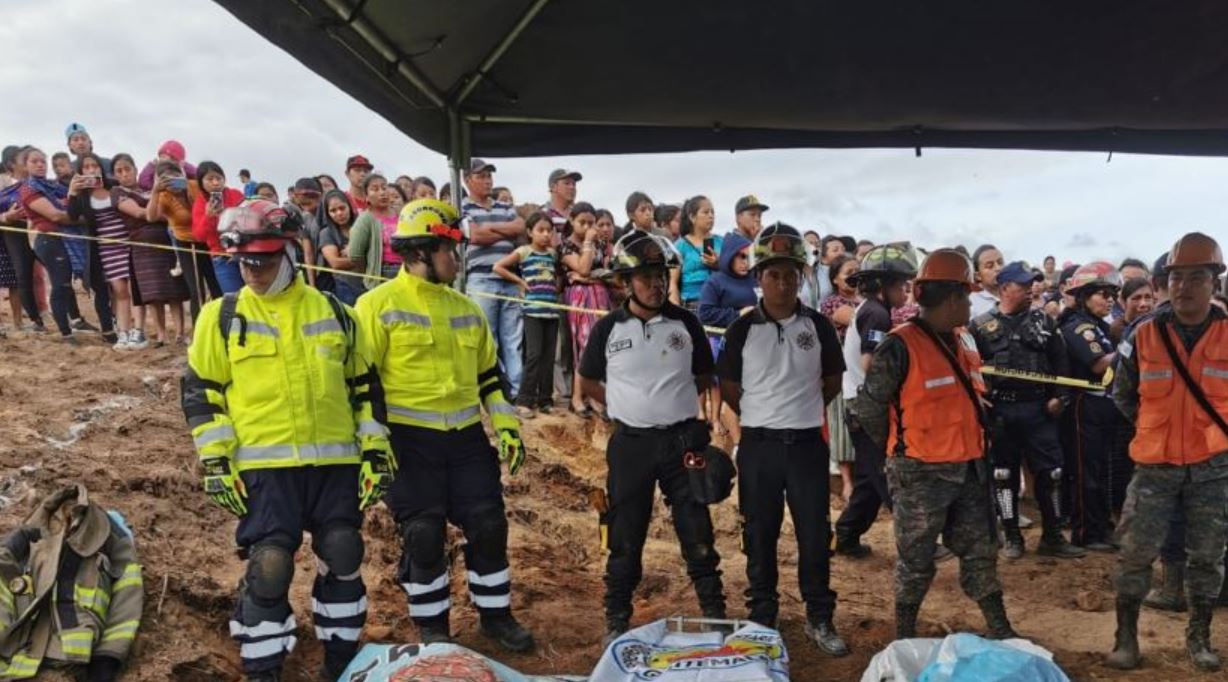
725 294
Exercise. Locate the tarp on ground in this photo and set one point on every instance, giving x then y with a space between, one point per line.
660 653
963 658
649 76
434 662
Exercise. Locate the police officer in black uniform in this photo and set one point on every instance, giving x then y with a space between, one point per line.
1016 336
648 361
1094 420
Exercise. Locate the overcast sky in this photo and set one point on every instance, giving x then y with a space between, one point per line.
138 72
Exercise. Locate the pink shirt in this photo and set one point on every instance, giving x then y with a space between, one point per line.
390 228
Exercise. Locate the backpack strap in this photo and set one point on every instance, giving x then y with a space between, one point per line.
226 318
1193 387
346 322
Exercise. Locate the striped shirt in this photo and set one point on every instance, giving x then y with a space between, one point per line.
481 259
541 271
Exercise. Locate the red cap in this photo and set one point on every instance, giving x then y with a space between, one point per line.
358 161
173 149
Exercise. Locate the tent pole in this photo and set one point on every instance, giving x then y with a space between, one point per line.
458 157
490 60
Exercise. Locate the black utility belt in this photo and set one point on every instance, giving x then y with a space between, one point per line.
1017 396
648 430
786 436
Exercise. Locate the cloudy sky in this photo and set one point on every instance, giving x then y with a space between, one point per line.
137 72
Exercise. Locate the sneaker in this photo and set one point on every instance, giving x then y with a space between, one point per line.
121 342
70 340
823 633
137 340
82 325
34 328
114 337
545 408
525 412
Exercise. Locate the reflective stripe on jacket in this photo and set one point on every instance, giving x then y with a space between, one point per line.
435 355
78 594
934 419
286 387
1172 428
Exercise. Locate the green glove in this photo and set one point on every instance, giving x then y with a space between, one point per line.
224 486
511 450
375 477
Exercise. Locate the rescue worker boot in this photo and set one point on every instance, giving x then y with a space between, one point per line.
906 620
1012 544
852 548
434 631
1125 654
995 617
1053 543
1198 636
823 632
1170 595
509 634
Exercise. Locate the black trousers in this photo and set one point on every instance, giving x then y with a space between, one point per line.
541 335
22 256
564 363
54 257
449 476
1094 425
772 469
869 490
637 463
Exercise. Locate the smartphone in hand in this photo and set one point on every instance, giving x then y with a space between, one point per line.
710 245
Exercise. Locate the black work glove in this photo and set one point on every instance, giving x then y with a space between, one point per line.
102 669
17 542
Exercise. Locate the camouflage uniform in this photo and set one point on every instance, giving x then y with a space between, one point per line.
931 499
1158 491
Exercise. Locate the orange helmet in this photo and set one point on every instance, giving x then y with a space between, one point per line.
1094 275
946 265
255 226
1196 250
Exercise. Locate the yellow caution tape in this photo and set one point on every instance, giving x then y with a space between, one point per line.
1049 378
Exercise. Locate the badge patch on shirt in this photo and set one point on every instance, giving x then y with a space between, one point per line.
676 341
876 336
991 326
806 340
618 346
1089 335
1095 347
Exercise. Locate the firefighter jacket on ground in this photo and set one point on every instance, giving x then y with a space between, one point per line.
1171 427
77 595
435 355
934 419
278 390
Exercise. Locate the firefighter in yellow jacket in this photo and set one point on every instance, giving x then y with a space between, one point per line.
437 361
282 401
70 589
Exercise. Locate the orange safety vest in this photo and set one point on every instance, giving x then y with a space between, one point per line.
934 420
1172 428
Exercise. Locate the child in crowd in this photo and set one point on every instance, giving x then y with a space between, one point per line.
538 278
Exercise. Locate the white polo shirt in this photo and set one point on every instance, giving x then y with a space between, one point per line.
780 365
648 367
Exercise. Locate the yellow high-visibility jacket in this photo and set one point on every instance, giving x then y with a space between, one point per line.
77 594
286 387
435 356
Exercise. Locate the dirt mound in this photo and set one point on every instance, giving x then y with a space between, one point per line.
113 421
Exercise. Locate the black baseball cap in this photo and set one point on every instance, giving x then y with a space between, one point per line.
1018 272
479 166
748 202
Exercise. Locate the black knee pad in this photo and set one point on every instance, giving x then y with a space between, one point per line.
487 532
424 537
270 568
698 553
340 548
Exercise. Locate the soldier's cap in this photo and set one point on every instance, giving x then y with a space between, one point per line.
1018 272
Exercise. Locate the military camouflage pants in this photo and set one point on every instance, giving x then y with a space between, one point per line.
941 498
1155 492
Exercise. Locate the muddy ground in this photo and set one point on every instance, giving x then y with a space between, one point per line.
112 420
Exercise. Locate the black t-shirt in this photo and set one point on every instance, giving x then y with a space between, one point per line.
873 323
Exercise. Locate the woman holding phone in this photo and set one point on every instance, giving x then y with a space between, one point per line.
698 247
107 265
45 204
172 203
215 197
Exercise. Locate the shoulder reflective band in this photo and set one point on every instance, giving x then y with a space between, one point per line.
1049 378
